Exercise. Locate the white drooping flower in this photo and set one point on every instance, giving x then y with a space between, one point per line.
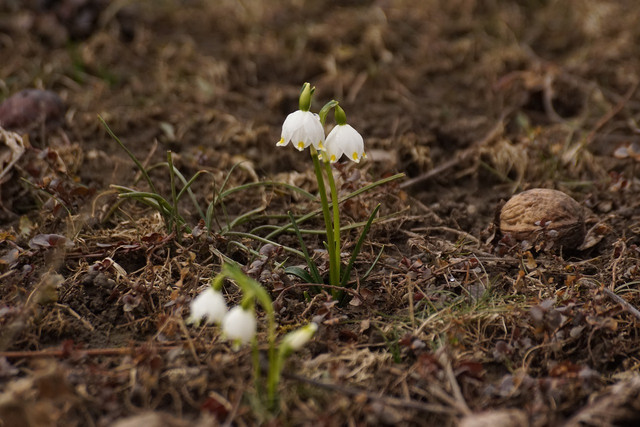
210 304
302 128
239 325
295 340
343 139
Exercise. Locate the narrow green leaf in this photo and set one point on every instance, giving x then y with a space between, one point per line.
311 214
209 216
174 194
130 154
373 264
300 273
187 187
356 250
312 266
263 240
242 187
243 218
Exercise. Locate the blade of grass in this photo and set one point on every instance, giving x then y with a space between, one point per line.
224 210
163 205
263 240
373 264
53 196
156 202
312 266
242 187
174 198
245 248
311 214
209 217
356 249
313 231
371 186
242 218
187 187
130 154
226 178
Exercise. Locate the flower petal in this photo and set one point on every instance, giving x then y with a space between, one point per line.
344 139
295 340
239 325
302 128
209 304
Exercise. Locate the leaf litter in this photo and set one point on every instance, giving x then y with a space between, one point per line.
473 101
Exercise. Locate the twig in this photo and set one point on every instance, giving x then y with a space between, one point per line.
547 98
428 408
192 347
611 113
455 388
461 156
461 233
624 303
90 352
77 316
614 267
233 412
617 298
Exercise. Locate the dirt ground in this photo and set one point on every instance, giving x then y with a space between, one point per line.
473 100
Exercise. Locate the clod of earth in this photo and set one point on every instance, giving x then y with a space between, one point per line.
544 219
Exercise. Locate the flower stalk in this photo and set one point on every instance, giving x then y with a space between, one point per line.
301 128
329 221
239 325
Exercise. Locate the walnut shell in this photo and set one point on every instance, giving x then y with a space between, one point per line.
544 218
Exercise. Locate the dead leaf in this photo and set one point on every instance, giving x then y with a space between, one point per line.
503 418
44 241
13 149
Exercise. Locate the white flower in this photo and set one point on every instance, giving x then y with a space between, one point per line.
209 304
303 128
239 325
343 139
295 340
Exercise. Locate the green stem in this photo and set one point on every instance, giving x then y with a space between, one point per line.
273 376
334 279
335 265
255 358
252 289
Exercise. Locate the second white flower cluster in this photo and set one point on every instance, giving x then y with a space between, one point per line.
303 128
238 325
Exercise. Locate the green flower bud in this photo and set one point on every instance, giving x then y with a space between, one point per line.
340 115
305 97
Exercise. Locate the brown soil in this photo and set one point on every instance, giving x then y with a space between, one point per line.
473 100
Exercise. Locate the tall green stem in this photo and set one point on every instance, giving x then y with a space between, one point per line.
334 275
273 375
336 223
253 289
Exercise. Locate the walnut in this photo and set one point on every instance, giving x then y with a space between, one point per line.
543 219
